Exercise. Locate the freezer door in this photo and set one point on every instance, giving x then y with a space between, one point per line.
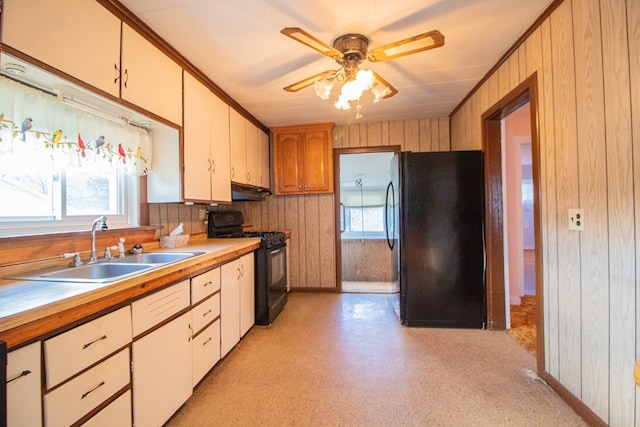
441 241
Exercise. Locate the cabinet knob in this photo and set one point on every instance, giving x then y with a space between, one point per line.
300 187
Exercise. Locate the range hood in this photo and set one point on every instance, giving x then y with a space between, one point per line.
241 193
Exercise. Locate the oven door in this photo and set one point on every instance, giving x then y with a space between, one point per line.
276 278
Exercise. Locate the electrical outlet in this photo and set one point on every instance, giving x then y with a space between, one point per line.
576 219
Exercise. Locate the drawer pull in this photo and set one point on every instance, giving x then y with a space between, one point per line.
204 314
89 344
207 284
206 342
92 390
20 375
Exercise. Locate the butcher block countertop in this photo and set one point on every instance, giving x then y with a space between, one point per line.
30 310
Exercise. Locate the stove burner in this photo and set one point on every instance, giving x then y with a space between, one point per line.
269 238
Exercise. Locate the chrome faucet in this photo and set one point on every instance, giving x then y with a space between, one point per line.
103 226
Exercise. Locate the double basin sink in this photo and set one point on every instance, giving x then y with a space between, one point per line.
109 270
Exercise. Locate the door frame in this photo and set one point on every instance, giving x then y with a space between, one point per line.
527 91
336 201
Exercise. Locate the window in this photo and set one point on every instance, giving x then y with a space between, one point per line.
363 222
52 181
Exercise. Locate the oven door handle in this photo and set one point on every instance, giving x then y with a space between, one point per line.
275 252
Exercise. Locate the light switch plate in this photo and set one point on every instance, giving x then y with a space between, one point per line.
576 219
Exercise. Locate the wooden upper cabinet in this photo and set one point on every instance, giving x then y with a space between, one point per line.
303 159
79 38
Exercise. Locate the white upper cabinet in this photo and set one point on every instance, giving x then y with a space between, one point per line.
206 144
197 125
150 79
253 153
80 38
238 132
265 173
220 151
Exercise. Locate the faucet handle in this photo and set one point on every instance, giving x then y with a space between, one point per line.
77 262
107 252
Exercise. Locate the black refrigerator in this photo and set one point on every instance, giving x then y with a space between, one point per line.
434 219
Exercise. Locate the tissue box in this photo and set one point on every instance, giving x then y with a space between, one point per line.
174 241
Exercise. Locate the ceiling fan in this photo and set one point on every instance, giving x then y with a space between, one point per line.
349 51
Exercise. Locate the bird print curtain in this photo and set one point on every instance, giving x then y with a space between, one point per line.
38 125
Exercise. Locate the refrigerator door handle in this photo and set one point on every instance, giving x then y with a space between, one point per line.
390 242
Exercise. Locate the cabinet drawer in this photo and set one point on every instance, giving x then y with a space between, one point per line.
206 351
24 398
71 401
118 413
74 350
149 311
205 312
205 285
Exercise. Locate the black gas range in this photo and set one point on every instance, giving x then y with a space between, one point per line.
269 259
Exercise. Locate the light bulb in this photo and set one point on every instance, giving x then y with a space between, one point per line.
342 103
365 78
351 90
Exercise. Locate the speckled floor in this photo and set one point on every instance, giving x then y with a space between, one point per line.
345 360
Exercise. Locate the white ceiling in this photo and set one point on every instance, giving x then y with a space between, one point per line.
238 45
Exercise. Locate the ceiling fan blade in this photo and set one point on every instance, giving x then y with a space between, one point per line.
426 41
389 92
309 81
307 39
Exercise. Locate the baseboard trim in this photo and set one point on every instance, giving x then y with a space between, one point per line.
576 404
315 289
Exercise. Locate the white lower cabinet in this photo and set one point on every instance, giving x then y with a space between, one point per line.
118 413
237 301
229 306
24 379
206 351
162 372
74 399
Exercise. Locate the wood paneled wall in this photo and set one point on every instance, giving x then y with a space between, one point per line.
311 219
587 61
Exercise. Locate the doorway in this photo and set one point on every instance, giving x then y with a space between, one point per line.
492 138
363 258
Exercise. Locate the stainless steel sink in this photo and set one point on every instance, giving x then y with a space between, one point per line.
91 273
108 270
156 257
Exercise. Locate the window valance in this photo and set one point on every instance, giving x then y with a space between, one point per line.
34 120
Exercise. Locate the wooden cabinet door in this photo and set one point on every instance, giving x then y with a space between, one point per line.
197 135
286 163
80 38
303 159
150 79
238 143
220 151
318 163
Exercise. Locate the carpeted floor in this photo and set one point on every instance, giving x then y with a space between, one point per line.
345 360
523 323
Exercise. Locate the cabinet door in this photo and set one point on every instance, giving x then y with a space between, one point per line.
150 79
220 155
286 163
162 372
318 162
80 38
229 306
265 172
238 147
247 293
253 153
24 398
197 128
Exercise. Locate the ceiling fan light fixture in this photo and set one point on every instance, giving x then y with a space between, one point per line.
323 88
379 91
342 103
